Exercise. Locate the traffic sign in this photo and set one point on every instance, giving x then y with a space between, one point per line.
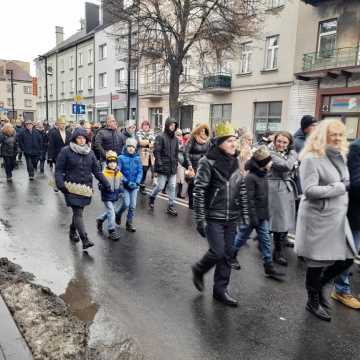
78 98
78 109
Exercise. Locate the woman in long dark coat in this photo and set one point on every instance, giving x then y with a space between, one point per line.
75 166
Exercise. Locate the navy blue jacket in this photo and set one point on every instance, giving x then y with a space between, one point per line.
354 193
108 139
31 143
299 140
56 143
78 169
131 168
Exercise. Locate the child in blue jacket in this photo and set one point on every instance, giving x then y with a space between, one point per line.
131 167
112 196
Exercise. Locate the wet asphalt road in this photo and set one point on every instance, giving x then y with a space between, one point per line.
141 286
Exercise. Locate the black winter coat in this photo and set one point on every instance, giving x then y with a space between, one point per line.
9 145
354 193
56 143
31 143
194 152
78 169
220 190
108 139
258 192
166 152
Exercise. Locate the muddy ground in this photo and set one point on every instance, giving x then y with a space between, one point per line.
48 325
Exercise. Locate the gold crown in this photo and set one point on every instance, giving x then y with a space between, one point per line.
78 189
224 129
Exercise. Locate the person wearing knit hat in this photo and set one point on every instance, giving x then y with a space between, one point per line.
111 197
130 165
220 203
257 191
307 125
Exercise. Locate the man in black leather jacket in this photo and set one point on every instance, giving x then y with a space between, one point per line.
220 203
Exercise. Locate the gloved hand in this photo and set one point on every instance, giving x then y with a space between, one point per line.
201 228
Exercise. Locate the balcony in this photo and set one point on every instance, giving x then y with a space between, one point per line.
331 59
121 87
217 83
151 92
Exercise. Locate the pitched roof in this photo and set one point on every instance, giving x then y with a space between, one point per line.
18 73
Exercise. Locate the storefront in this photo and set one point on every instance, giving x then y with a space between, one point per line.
343 104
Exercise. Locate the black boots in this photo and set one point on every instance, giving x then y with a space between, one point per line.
118 219
130 227
99 224
73 235
271 272
234 263
171 210
86 242
226 299
313 305
151 202
278 254
198 279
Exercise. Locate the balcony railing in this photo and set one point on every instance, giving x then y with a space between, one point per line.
151 91
331 59
217 82
121 87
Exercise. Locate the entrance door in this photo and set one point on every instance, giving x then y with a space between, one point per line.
186 117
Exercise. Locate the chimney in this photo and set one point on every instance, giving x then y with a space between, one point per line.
59 32
106 16
91 16
82 24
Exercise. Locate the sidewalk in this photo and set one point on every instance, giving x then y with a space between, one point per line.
12 344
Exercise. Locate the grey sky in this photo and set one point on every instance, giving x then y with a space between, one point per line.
27 27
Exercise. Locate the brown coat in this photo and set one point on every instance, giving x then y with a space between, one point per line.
147 142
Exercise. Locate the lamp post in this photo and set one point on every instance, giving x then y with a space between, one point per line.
129 73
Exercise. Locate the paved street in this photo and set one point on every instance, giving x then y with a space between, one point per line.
141 286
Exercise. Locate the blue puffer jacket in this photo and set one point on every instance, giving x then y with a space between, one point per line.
31 143
77 168
131 167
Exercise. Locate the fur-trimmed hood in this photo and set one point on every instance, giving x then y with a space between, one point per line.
197 130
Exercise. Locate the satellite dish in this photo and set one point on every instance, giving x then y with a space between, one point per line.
49 70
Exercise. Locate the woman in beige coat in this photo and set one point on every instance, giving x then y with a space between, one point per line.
323 235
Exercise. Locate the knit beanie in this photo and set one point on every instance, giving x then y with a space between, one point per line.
306 121
111 156
262 156
131 142
130 123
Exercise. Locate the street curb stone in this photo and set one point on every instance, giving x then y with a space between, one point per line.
12 344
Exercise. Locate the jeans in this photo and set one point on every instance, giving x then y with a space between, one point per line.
129 202
9 163
342 283
263 232
221 238
32 163
111 209
161 182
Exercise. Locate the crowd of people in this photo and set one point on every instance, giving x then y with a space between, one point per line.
307 184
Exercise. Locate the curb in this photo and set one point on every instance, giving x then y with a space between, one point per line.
12 343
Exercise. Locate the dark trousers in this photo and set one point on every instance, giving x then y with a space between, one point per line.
190 192
9 164
32 163
78 220
221 238
318 277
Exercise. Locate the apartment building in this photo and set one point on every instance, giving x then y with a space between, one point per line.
24 100
66 74
111 74
327 59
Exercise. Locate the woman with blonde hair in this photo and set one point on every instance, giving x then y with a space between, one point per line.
245 148
9 148
323 235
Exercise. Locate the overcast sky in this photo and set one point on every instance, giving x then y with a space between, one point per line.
27 27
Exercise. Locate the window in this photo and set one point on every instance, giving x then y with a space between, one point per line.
273 4
120 77
80 59
81 84
267 117
9 102
219 113
72 86
147 75
121 42
156 118
62 109
27 89
102 52
8 88
245 58
71 62
51 89
272 49
39 91
133 79
186 68
62 65
166 74
63 87
90 56
28 103
102 80
327 38
90 82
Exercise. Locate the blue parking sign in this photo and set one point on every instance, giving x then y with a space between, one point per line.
78 109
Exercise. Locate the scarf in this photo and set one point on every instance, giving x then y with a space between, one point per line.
201 140
337 160
226 164
82 150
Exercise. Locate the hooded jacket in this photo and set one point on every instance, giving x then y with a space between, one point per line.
166 151
131 168
299 140
108 139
